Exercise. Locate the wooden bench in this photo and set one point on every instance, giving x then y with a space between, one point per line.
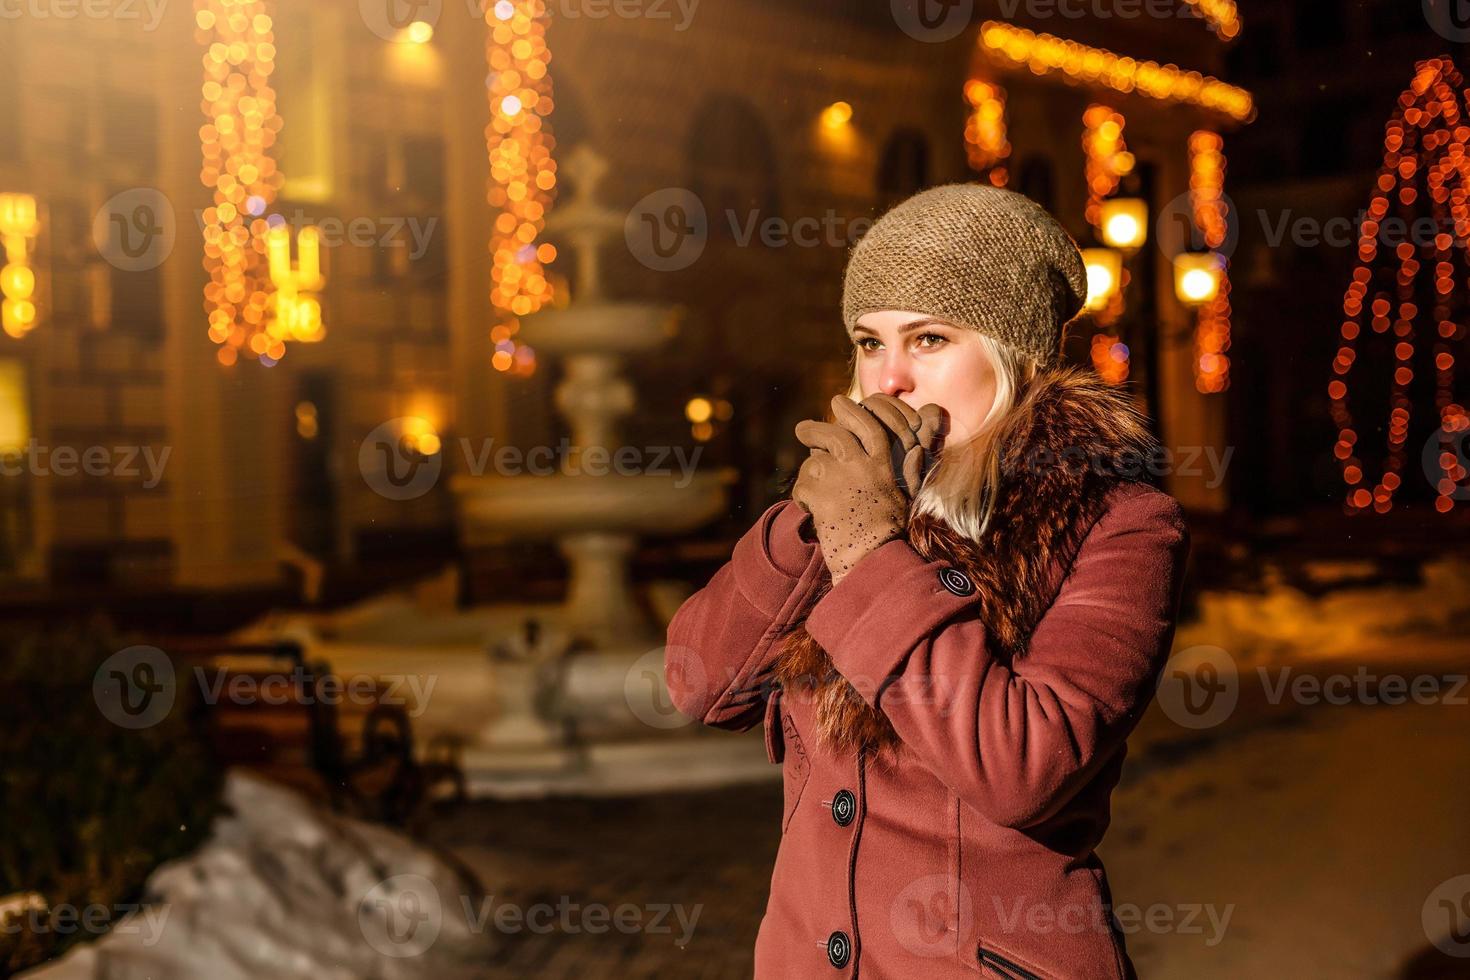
265 707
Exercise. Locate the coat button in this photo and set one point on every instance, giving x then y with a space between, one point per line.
844 807
956 581
839 949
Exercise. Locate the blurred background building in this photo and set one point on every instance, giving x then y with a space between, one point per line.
382 145
282 278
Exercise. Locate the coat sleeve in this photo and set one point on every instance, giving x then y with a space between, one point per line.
1015 742
723 641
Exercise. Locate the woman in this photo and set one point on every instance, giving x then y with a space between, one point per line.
947 678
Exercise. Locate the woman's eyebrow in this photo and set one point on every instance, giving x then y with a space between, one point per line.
909 327
927 321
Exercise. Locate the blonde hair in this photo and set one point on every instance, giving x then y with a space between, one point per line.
961 486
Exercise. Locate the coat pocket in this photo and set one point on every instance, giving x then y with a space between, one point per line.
775 748
784 745
995 963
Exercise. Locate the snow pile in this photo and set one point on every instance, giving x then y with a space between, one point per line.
1284 622
286 889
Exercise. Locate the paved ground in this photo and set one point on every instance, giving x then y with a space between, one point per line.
708 854
1291 839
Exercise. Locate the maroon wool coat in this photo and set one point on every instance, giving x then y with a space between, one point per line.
974 854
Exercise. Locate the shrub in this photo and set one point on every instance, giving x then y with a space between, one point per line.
90 807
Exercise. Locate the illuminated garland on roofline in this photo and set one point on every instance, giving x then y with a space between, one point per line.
1043 54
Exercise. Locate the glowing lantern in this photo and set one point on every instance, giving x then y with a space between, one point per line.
1104 274
19 225
1197 277
1124 222
837 115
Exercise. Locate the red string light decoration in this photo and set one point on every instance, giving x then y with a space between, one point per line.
1425 139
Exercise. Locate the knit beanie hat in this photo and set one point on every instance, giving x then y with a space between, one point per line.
978 256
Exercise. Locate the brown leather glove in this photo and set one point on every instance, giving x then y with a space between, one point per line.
849 483
911 427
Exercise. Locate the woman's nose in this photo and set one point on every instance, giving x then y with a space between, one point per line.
896 378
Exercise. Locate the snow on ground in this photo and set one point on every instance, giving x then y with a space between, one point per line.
285 889
1299 827
1303 838
1284 622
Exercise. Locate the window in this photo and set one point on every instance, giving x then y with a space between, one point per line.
1037 182
732 164
903 168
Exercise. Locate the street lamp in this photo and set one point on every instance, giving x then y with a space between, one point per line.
1124 222
1104 274
1197 277
19 227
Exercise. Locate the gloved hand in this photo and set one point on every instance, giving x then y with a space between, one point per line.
908 428
849 484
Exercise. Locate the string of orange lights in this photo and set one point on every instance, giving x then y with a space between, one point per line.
987 147
522 172
1043 54
1107 158
240 108
1411 147
1221 15
1207 201
1106 161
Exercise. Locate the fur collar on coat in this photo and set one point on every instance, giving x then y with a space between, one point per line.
1073 438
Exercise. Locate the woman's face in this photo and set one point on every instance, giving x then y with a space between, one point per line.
919 359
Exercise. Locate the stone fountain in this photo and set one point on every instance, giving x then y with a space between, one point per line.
591 657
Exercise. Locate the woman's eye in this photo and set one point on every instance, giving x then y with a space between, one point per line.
930 340
865 343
